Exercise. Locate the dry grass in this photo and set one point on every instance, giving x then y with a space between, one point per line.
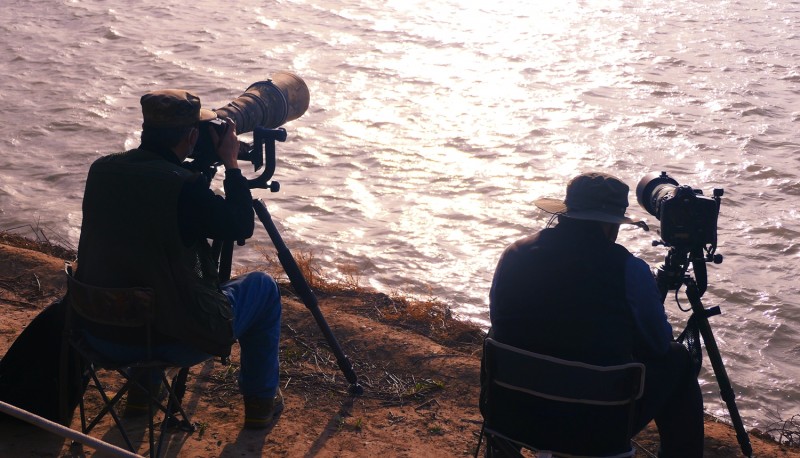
349 278
22 290
429 317
784 431
41 243
25 290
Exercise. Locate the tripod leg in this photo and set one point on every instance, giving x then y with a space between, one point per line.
306 295
726 391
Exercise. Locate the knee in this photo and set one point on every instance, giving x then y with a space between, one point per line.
269 292
270 288
264 284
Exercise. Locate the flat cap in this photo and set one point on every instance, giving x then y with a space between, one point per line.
173 108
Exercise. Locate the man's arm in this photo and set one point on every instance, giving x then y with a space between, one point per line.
203 214
654 332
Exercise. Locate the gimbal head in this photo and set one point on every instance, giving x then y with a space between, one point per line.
672 274
262 154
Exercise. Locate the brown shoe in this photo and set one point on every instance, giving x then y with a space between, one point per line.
259 412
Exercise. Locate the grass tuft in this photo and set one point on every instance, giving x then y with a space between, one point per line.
430 317
42 244
783 431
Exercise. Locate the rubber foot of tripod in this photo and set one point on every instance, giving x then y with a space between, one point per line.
356 389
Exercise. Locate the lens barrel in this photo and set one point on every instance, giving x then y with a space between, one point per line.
271 103
653 189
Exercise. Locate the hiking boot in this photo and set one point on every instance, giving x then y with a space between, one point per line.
260 412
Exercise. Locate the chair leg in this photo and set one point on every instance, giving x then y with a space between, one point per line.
179 383
108 407
175 405
174 414
176 391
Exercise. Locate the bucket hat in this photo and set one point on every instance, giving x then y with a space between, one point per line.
594 196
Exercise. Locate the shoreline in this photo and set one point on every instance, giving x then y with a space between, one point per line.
419 367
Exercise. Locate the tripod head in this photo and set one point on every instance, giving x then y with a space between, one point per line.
262 153
672 274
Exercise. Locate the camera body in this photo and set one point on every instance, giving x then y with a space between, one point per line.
205 153
219 125
688 218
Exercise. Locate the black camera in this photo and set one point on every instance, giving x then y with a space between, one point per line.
688 218
205 153
219 125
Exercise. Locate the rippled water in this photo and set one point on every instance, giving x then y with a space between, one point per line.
433 126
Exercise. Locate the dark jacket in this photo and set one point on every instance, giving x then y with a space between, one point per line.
561 292
131 236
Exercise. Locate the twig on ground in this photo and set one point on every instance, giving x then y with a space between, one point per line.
785 431
427 403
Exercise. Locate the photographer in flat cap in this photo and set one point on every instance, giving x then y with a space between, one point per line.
570 292
147 219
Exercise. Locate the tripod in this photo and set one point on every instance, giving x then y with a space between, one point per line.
264 143
671 276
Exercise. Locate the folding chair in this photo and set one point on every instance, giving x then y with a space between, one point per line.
119 308
555 407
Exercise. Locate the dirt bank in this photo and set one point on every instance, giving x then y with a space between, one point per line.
419 369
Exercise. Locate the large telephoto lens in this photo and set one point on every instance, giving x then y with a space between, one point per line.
271 103
653 189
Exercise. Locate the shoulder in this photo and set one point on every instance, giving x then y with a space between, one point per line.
524 245
113 157
621 251
611 260
142 163
637 269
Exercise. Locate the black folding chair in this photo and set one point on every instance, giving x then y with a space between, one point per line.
119 308
534 401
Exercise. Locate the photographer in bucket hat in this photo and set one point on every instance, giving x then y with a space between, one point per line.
570 292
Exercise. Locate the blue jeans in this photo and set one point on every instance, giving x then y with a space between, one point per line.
256 303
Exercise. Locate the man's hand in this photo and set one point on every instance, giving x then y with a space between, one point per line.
227 144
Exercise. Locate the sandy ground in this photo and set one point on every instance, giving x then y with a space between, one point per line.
419 373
